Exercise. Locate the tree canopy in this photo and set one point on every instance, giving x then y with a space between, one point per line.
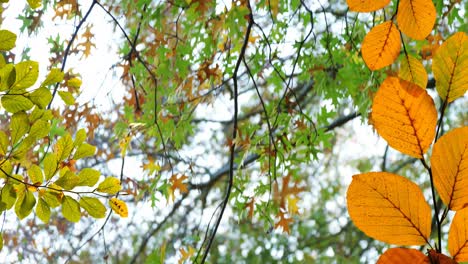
193 131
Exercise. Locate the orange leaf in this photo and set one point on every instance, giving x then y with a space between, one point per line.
416 18
389 208
381 46
412 70
449 163
178 184
401 255
366 5
283 222
450 66
405 116
458 236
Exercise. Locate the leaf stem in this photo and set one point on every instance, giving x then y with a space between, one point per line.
436 208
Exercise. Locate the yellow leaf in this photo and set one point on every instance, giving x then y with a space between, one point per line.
366 5
292 204
449 163
458 236
186 254
450 66
119 207
412 70
389 208
416 18
405 116
401 255
381 46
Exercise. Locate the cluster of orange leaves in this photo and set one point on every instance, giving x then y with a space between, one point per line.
389 207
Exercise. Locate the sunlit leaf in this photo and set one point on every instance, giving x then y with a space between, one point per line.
50 165
93 206
401 255
35 3
389 208
88 177
41 97
55 75
119 207
25 202
51 198
412 70
39 129
110 185
7 40
68 181
416 18
16 103
405 116
449 162
19 126
67 97
366 5
43 210
64 147
9 195
71 209
381 46
84 150
26 74
4 143
35 174
80 137
458 236
450 64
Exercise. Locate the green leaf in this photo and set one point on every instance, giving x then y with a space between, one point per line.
88 177
7 76
4 142
74 82
8 195
35 3
110 185
26 74
39 129
35 174
51 198
19 126
1 241
67 97
68 181
6 169
14 103
93 206
43 211
55 76
7 40
71 209
80 137
84 150
50 165
25 203
64 147
41 97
